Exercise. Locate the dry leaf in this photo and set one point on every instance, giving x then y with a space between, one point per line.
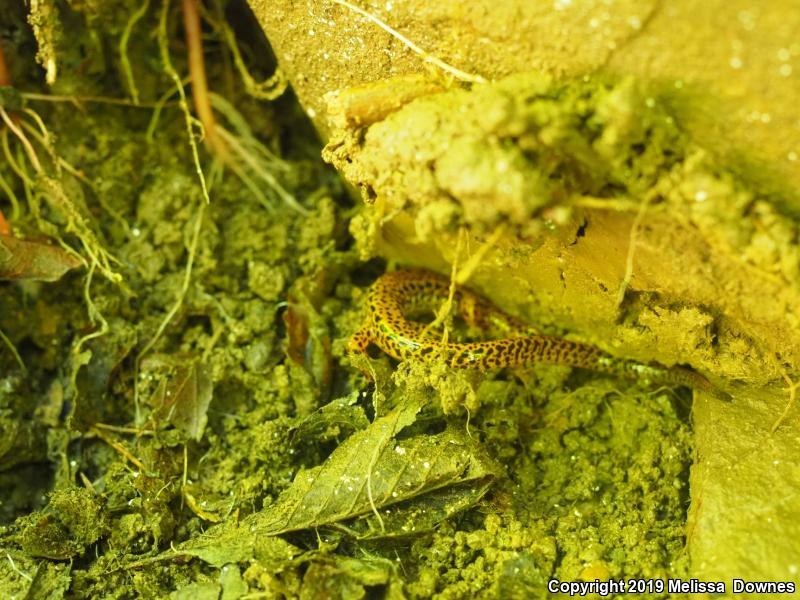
21 259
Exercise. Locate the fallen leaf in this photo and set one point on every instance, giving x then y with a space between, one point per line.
372 470
22 259
182 397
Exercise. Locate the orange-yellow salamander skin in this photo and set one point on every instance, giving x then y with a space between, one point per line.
396 294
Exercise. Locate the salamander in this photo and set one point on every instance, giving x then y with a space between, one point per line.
396 294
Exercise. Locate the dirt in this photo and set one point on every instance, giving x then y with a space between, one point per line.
206 435
708 279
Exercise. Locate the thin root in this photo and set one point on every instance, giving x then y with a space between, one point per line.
426 56
792 390
125 63
271 88
193 244
13 349
634 234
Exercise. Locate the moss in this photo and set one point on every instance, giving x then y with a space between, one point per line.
73 519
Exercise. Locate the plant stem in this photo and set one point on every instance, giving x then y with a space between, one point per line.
197 71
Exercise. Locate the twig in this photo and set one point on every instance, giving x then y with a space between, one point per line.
5 228
163 44
5 78
120 429
197 71
119 448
